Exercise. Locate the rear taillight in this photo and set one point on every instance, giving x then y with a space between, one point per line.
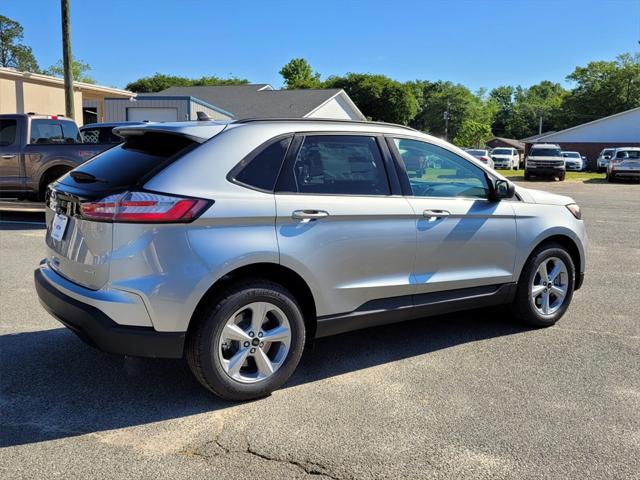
484 159
141 207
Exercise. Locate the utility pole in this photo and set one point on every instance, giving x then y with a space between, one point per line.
67 58
540 126
446 122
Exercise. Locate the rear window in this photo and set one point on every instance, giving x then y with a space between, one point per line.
101 135
632 154
133 162
7 132
54 132
545 152
477 153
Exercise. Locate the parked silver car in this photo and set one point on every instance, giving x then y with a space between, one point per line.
624 163
235 244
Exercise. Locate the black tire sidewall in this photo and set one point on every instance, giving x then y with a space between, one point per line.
221 383
523 304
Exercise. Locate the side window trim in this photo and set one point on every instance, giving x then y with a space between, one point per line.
285 185
231 176
401 171
404 176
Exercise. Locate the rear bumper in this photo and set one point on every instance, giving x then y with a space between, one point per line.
94 327
625 173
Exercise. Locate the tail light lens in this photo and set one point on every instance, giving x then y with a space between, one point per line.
484 159
141 207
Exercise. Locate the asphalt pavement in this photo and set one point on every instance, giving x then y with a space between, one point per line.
469 395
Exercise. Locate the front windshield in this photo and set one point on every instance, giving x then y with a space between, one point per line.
501 151
545 152
571 154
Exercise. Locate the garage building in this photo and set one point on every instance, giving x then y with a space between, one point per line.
170 108
619 130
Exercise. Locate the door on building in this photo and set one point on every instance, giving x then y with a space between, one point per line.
152 114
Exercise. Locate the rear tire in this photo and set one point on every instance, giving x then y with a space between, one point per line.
562 177
527 175
231 329
529 305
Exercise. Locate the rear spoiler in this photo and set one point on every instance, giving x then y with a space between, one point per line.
199 133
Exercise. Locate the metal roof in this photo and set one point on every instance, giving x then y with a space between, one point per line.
249 101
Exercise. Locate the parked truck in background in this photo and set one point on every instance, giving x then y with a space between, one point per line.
35 150
545 160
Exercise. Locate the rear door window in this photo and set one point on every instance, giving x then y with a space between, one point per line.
338 165
8 130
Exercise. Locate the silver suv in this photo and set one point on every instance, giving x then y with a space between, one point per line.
235 244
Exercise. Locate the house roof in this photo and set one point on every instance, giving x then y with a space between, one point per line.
509 141
258 100
59 82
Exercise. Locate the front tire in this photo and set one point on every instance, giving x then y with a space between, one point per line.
545 287
248 342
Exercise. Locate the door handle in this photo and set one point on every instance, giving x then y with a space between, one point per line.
7 157
307 215
436 213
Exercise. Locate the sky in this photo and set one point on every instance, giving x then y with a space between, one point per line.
484 43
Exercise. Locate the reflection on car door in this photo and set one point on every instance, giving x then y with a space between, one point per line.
463 239
339 224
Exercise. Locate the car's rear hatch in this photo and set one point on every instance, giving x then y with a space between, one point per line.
82 253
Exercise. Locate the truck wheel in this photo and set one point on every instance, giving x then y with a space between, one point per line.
527 176
248 342
545 287
49 177
562 176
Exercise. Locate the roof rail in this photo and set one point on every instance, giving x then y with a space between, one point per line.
328 120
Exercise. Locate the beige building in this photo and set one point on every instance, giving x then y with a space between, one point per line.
23 92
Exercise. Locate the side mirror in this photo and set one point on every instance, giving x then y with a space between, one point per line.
503 189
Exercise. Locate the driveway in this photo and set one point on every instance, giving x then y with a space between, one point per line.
461 396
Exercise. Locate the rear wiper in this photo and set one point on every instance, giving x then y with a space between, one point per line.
84 177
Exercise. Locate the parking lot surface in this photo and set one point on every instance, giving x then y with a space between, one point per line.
469 395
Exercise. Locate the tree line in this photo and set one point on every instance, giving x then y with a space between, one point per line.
442 108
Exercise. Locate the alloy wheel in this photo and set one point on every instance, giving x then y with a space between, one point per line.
255 342
549 286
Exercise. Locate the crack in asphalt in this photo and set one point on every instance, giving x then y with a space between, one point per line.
310 468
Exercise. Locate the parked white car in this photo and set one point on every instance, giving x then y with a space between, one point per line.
481 154
505 158
574 161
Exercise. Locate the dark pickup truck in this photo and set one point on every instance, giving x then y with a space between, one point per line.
35 150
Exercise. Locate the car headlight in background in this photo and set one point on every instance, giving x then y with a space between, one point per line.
574 208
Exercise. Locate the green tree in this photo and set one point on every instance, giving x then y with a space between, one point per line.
602 89
377 96
159 81
14 54
299 74
503 98
473 133
79 70
543 100
436 98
